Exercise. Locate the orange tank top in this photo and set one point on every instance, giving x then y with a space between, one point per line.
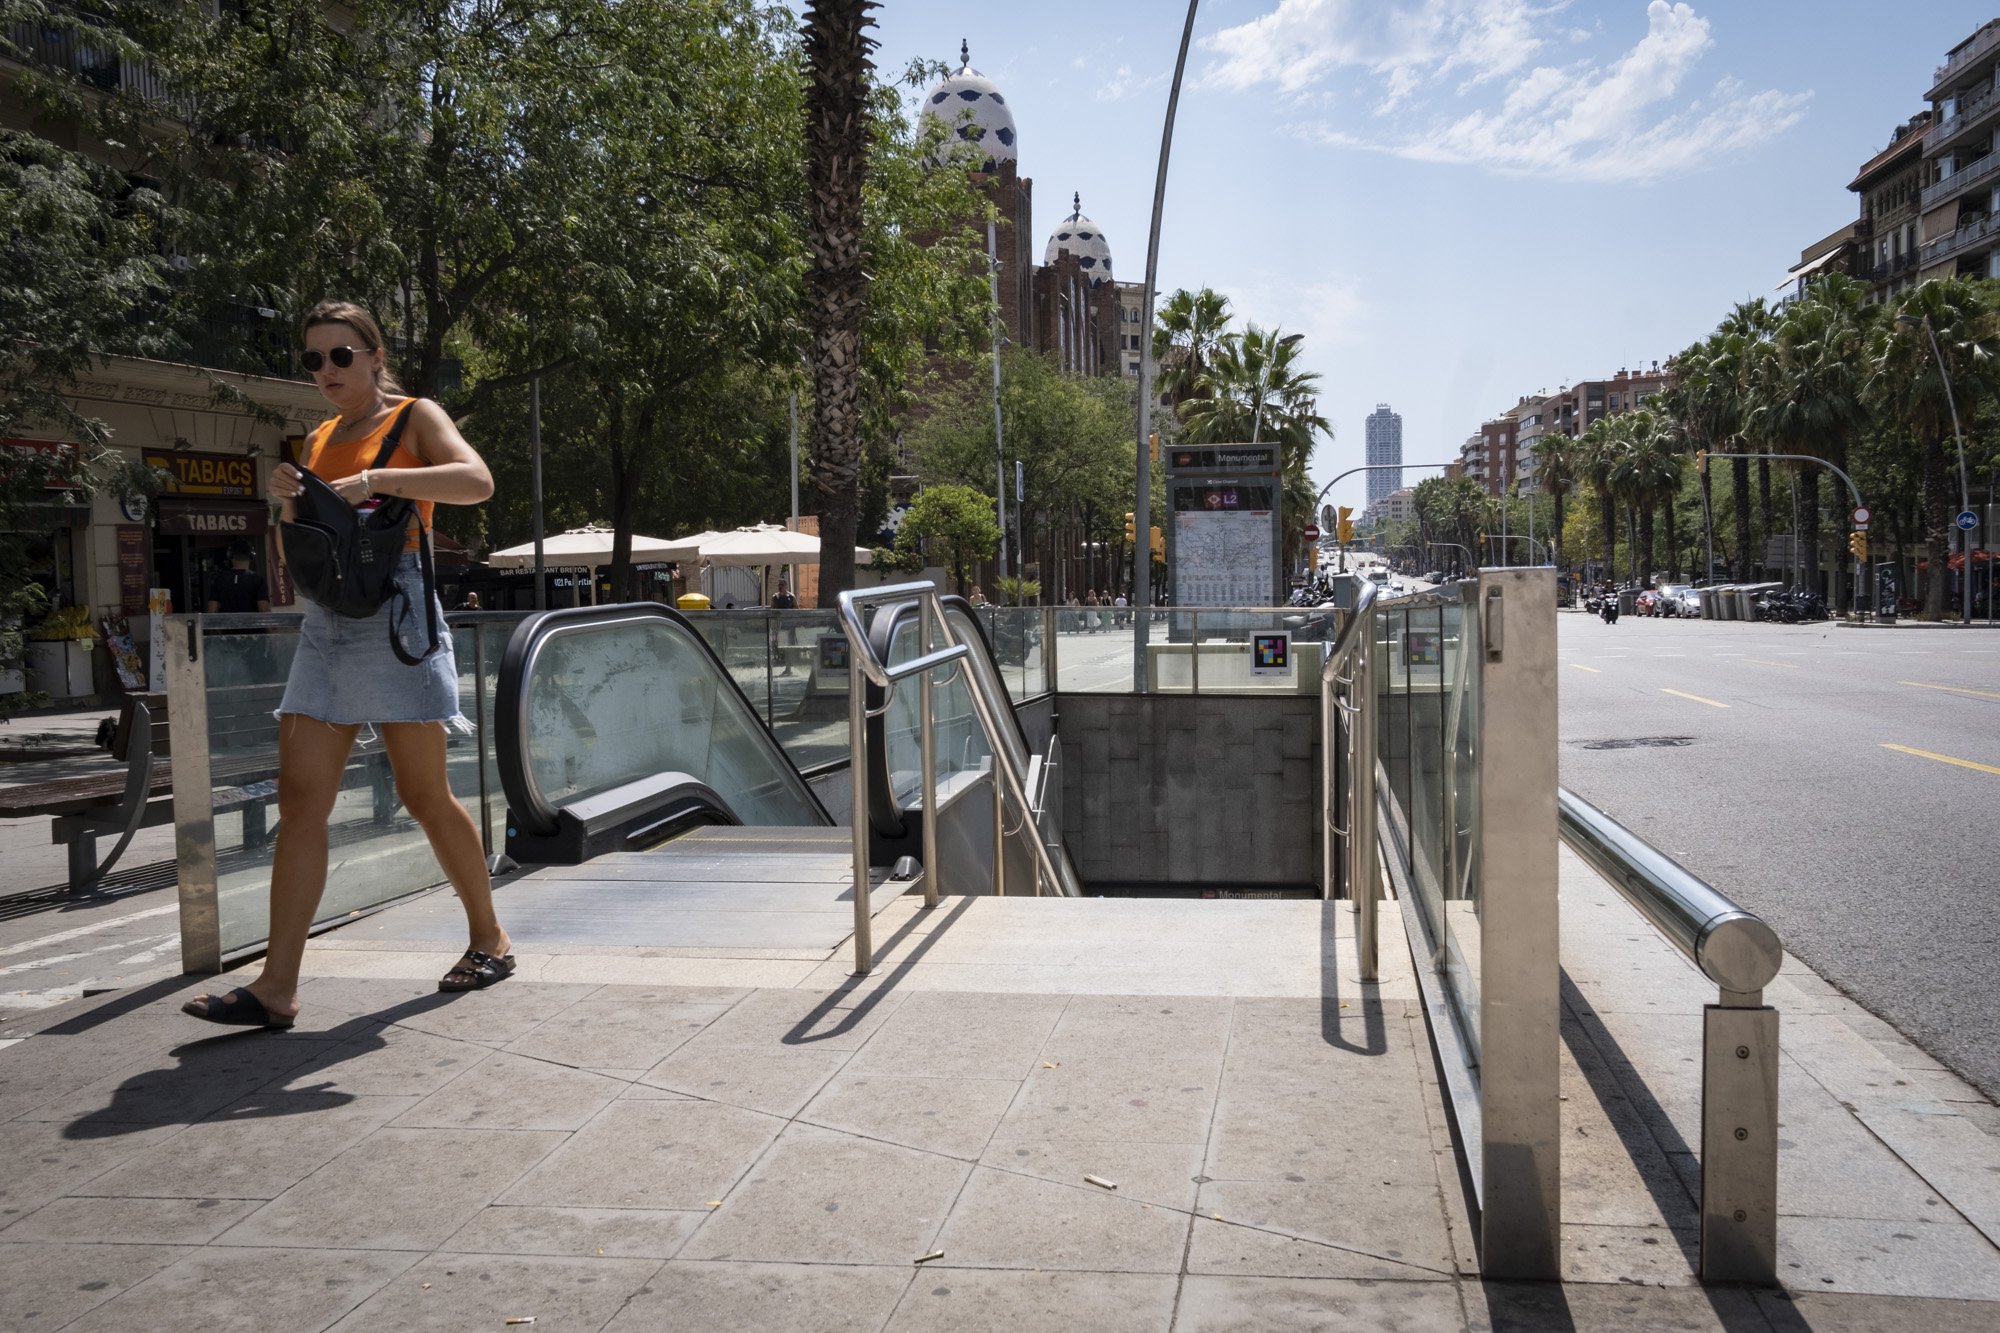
333 462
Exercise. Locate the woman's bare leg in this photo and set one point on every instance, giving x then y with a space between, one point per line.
417 754
311 757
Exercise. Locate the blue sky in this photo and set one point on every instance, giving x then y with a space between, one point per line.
1456 201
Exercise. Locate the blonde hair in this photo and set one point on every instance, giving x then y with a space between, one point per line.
357 318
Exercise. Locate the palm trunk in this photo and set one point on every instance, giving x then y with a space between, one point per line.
1764 500
1809 519
1645 542
838 68
1673 545
1939 495
1739 478
1610 518
1555 545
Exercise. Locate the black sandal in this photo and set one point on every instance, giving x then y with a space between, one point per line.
238 1009
480 970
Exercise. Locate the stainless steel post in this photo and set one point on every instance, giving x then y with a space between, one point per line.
1194 652
857 776
927 737
1367 937
1519 1094
999 821
1329 731
1739 1141
194 816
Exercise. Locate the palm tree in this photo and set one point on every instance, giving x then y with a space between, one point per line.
1647 472
1599 449
1907 386
1808 394
1736 342
1188 329
837 135
1556 459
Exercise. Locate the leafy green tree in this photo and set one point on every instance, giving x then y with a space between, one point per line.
1599 450
951 524
1646 473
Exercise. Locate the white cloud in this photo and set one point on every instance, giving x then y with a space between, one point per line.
1623 119
1123 83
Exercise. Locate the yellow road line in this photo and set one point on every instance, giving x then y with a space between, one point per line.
1696 697
1951 689
1941 758
1581 667
1792 666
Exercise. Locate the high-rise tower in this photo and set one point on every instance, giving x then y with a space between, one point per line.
1385 445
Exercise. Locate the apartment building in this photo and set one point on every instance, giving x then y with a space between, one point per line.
1383 433
1500 455
1961 201
1886 234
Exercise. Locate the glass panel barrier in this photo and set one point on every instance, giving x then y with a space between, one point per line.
1428 720
377 853
961 741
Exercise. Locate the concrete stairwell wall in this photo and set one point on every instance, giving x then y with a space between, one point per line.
1171 790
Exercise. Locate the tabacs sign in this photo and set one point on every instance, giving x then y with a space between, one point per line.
231 475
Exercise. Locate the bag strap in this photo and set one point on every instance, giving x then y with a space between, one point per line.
394 437
429 571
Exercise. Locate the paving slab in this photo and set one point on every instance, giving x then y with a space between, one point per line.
452 1292
650 1154
221 1290
1214 1304
45 1286
766 1298
974 1301
621 1233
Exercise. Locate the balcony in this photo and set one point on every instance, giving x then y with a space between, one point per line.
1894 268
1967 237
1982 43
1960 181
100 67
1974 112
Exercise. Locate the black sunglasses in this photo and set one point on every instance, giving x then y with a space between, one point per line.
343 357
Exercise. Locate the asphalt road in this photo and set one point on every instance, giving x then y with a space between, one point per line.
1842 783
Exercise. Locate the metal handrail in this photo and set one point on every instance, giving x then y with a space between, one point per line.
1733 948
865 665
1739 1058
1357 830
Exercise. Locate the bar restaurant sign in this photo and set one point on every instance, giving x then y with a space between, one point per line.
232 475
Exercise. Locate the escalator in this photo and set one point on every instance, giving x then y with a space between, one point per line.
621 731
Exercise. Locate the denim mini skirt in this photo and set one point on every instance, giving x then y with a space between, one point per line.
345 672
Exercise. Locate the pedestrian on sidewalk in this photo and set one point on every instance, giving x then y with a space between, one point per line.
345 675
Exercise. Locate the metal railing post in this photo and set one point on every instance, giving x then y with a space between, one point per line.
1519 969
1194 652
1739 1052
1330 731
857 775
1367 893
194 814
927 743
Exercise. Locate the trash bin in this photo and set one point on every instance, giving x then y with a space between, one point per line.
1709 609
692 601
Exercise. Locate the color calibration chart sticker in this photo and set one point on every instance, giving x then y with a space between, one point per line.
1271 654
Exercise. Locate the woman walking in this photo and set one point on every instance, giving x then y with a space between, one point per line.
346 674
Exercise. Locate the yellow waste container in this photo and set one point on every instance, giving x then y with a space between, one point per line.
693 601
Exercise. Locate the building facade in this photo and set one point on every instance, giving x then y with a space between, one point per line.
1960 230
1384 443
1888 232
1068 303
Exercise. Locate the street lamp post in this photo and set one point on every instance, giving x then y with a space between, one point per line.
1964 490
1142 507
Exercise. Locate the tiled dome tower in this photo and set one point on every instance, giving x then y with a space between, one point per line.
986 137
1079 236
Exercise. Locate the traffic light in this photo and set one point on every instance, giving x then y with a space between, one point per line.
1158 542
1131 529
1153 443
1857 542
1701 461
1343 528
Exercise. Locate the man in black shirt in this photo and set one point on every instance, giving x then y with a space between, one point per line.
237 588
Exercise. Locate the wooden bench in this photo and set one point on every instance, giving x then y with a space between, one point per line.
243 773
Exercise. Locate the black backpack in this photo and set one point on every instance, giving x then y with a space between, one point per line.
346 560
